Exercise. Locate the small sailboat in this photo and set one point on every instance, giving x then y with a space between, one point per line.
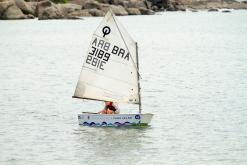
110 72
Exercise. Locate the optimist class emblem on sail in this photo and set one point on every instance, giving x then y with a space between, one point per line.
106 30
100 51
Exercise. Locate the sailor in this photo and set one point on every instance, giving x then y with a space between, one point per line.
110 108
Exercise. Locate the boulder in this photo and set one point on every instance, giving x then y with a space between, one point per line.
44 4
91 5
124 3
70 11
155 8
48 10
133 11
181 7
96 12
145 11
171 7
50 13
33 6
25 7
212 10
136 4
30 16
115 2
68 8
118 10
9 10
81 13
237 5
85 13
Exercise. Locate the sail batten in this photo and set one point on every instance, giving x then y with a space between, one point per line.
110 71
113 78
105 89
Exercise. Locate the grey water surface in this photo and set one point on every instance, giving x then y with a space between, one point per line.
194 81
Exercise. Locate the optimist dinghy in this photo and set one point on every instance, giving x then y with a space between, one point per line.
110 72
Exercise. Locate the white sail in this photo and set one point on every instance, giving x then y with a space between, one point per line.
109 70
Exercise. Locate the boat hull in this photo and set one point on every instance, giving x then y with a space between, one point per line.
89 119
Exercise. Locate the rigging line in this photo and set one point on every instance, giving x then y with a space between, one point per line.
125 43
104 75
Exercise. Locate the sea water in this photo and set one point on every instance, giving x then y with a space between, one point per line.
193 70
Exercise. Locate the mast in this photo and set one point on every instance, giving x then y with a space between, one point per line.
138 79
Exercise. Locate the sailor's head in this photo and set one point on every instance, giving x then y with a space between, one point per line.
108 103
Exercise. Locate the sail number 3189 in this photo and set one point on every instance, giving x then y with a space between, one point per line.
97 58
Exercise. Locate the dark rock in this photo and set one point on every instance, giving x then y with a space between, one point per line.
145 11
213 10
30 16
226 11
155 8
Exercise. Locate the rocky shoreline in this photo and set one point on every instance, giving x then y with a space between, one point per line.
46 9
